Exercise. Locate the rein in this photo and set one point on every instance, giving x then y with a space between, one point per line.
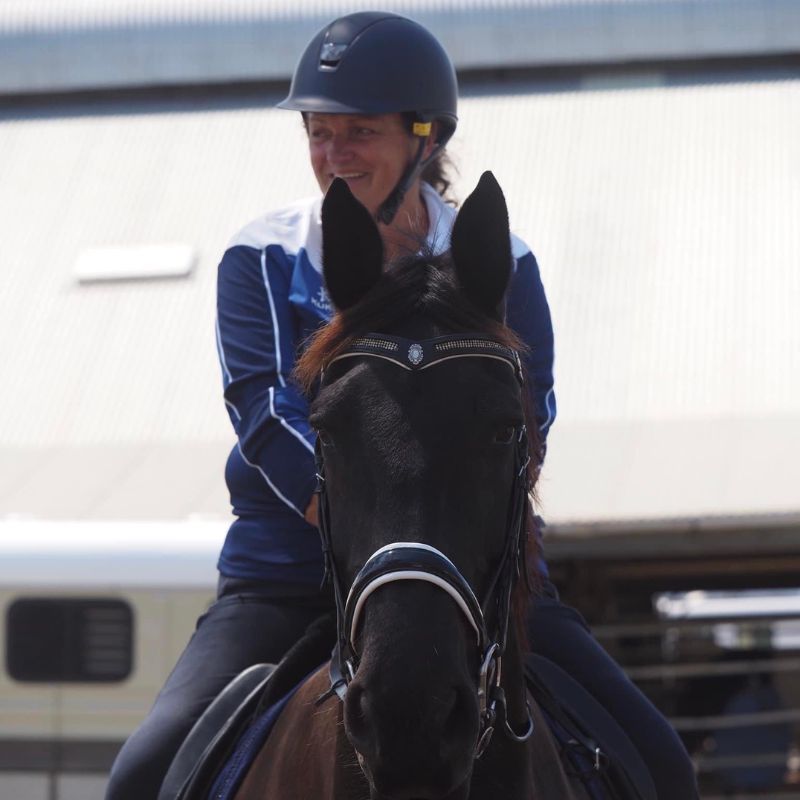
400 561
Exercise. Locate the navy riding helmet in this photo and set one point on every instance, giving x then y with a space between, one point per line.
374 62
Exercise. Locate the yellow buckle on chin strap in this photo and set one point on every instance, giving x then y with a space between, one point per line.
421 129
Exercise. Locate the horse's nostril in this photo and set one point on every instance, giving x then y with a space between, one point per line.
355 715
460 720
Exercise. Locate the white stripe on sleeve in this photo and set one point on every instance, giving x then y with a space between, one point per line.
299 436
278 358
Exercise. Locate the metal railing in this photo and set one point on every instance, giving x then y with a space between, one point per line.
665 657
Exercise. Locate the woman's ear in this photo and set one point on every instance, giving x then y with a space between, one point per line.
352 249
481 246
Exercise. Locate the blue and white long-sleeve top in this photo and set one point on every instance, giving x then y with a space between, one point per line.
270 297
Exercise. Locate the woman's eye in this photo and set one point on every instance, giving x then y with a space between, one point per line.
504 435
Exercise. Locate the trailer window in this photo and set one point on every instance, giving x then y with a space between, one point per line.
67 639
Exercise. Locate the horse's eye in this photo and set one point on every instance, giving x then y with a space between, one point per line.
504 435
324 437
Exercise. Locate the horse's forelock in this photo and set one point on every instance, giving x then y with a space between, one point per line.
417 285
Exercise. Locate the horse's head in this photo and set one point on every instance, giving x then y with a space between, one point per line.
421 440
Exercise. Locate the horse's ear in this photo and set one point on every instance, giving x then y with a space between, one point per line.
352 250
481 245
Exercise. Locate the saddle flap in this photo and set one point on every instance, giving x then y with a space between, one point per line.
623 773
214 733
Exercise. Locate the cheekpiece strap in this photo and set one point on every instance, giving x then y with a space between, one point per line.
419 354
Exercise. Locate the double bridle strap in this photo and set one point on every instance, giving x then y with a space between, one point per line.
403 561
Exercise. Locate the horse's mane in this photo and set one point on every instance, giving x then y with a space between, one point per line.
425 285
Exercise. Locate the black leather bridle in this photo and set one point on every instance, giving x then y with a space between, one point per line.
422 562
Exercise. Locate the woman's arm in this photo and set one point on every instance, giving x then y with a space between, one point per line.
528 314
256 341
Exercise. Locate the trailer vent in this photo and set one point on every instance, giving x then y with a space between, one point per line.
69 640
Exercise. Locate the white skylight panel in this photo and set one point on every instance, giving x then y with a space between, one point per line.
134 262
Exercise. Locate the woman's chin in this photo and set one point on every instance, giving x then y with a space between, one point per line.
363 195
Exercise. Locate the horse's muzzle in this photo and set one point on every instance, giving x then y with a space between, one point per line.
411 710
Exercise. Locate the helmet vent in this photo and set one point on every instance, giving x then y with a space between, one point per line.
331 54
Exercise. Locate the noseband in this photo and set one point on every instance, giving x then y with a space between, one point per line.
415 561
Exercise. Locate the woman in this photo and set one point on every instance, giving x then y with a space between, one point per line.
378 97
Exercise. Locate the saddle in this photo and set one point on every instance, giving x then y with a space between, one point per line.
214 736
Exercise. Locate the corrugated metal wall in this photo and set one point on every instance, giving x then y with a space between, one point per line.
663 217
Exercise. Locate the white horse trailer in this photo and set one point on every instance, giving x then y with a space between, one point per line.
92 618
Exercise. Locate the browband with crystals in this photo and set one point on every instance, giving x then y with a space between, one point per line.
417 354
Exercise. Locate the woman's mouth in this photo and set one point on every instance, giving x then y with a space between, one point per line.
349 177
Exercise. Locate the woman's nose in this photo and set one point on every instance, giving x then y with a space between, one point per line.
339 147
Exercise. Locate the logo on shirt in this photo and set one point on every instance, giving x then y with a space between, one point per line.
322 302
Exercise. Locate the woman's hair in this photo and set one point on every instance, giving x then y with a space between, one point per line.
439 172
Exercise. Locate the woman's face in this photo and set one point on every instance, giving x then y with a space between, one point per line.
369 152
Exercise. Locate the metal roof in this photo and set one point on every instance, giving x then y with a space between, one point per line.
664 218
60 45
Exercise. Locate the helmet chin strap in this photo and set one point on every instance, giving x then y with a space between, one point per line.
388 208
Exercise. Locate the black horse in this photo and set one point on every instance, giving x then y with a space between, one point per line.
426 463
